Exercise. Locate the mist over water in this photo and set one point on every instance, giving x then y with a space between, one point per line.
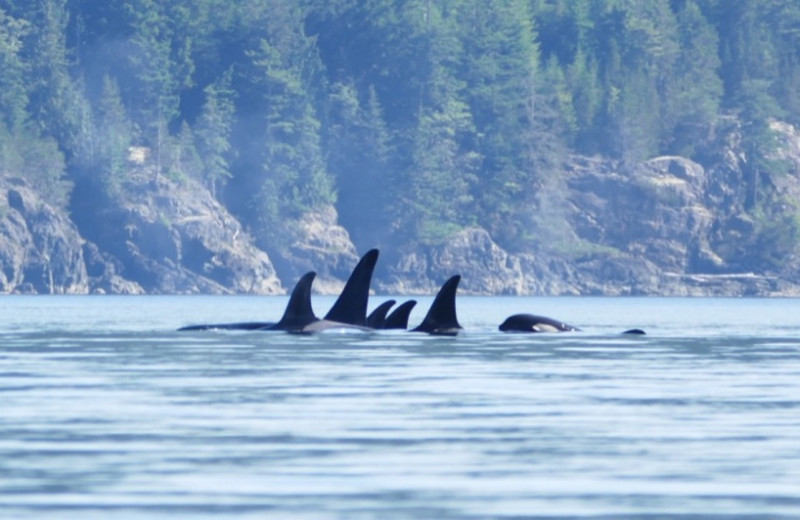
107 411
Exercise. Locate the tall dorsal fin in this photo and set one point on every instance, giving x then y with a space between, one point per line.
298 311
377 317
351 306
398 319
441 318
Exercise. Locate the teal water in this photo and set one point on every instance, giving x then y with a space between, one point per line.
107 412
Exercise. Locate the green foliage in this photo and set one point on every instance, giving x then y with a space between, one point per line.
36 159
288 175
214 130
419 117
55 100
360 157
13 90
114 138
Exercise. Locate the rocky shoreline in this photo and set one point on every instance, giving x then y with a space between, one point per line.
668 226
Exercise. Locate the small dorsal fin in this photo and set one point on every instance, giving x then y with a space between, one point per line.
635 332
441 318
298 311
398 319
351 306
377 317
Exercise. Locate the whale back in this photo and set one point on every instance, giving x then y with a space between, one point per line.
534 323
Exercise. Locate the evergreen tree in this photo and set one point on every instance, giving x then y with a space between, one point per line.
500 65
214 131
114 147
13 90
692 94
359 156
287 174
55 100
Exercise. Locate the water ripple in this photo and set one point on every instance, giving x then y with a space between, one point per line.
127 421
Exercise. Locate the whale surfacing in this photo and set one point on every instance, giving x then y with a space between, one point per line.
348 311
377 318
298 313
441 319
398 319
350 308
533 323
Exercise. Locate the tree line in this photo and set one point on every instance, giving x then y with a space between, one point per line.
414 117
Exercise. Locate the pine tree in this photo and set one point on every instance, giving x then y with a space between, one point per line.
55 99
286 175
13 90
214 131
500 65
692 93
113 149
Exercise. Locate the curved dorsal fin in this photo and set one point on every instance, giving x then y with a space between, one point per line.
351 306
298 311
377 317
398 319
441 317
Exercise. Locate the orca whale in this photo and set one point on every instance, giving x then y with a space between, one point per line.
244 325
635 332
398 319
298 312
441 319
350 308
377 318
533 323
348 311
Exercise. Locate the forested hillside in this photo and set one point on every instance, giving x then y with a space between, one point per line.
416 119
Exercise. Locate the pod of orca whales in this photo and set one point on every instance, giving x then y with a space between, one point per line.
349 311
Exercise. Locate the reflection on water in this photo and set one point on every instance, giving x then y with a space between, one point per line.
106 411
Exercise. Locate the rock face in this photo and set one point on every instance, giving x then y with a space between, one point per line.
667 226
484 266
320 244
40 248
173 237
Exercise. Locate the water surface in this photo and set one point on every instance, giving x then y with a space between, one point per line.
108 412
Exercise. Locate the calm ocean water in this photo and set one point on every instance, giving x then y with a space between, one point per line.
107 412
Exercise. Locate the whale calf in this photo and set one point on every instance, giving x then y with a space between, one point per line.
398 319
377 318
533 323
441 319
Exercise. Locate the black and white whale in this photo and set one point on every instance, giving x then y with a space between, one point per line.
533 323
348 311
298 312
377 318
441 319
398 319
